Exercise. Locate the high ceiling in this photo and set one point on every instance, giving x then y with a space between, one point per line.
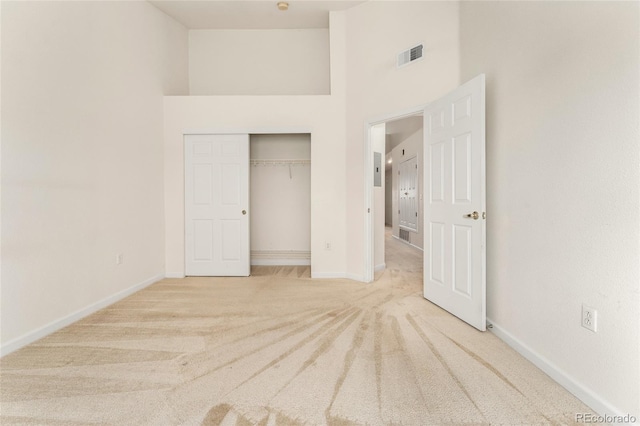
245 14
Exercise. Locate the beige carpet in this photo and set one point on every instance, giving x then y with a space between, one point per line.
279 349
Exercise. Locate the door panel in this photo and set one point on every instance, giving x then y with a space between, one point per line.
230 248
462 259
216 195
203 240
436 251
455 257
202 174
230 178
462 168
436 170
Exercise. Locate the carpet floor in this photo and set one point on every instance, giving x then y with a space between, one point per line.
279 348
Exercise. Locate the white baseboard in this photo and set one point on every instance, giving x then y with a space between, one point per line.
174 275
586 395
19 342
408 243
280 257
380 267
280 262
355 277
328 275
341 275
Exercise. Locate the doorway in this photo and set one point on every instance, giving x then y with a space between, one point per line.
384 134
454 275
397 195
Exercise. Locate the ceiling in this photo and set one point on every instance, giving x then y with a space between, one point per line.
246 14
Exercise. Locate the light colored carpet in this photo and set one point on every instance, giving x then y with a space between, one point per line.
279 349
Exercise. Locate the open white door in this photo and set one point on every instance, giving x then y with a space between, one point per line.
454 214
217 205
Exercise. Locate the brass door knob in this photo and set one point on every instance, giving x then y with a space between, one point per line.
474 215
244 212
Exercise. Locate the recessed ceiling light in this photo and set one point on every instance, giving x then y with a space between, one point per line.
283 5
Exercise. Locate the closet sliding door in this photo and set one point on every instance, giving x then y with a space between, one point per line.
217 205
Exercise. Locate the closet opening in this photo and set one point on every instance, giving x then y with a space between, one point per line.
280 199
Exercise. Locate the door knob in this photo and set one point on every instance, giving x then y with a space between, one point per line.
474 215
244 212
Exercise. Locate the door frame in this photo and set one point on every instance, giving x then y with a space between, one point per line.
369 230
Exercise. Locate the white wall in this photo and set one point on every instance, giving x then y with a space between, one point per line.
293 146
259 62
82 86
563 216
412 147
322 116
280 200
388 192
378 144
376 33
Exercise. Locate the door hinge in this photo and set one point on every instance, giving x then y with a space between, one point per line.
416 214
398 211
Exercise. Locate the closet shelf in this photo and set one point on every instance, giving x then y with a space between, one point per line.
278 162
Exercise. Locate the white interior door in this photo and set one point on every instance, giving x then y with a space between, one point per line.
454 216
217 205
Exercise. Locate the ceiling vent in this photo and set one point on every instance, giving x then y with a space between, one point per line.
410 55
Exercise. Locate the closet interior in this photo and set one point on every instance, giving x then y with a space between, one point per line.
280 199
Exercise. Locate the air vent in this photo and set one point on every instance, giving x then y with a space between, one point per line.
410 55
404 235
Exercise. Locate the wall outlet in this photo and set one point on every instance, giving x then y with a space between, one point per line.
327 245
589 318
119 259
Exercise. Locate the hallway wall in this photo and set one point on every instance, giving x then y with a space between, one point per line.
378 142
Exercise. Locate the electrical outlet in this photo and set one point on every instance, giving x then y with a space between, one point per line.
327 246
119 259
589 318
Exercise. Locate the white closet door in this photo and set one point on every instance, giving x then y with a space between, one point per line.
217 205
